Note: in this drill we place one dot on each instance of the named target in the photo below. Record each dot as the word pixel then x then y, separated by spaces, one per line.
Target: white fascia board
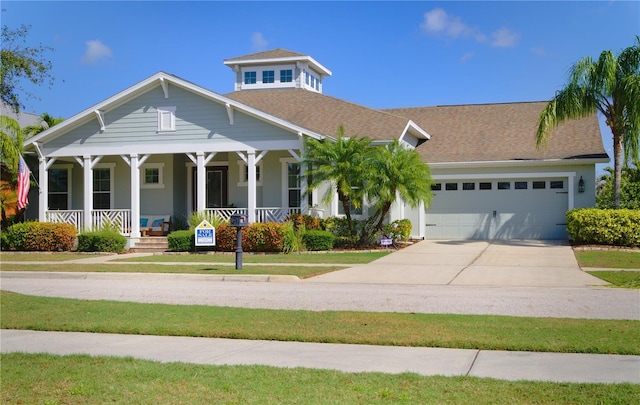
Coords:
pixel 289 59
pixel 416 131
pixel 171 148
pixel 517 163
pixel 89 113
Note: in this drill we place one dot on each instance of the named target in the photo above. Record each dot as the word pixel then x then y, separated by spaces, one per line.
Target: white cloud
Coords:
pixel 467 56
pixel 258 41
pixel 539 51
pixel 437 21
pixel 95 51
pixel 504 38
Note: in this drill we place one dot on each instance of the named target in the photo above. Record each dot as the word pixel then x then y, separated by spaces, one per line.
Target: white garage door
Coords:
pixel 498 209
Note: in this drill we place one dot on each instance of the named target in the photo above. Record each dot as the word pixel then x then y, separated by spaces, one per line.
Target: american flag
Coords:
pixel 23 183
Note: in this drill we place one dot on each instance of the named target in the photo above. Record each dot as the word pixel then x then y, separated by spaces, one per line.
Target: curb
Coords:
pixel 140 276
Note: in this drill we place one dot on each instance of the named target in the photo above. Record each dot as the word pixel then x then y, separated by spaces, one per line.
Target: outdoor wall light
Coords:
pixel 580 185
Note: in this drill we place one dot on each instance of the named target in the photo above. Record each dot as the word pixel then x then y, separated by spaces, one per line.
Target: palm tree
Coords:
pixel 395 170
pixel 343 164
pixel 12 140
pixel 46 122
pixel 610 85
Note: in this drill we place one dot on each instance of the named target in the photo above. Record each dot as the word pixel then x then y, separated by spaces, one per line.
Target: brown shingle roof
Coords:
pixel 323 114
pixel 272 54
pixel 498 132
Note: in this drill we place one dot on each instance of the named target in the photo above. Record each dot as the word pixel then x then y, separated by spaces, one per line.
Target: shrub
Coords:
pixel 226 237
pixel 195 218
pixel 307 221
pixel 604 226
pixel 316 239
pixel 40 236
pixel 101 241
pixel 292 237
pixel 398 230
pixel 263 237
pixel 182 241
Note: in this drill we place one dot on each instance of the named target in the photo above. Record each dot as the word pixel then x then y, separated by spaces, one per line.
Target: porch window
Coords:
pixel 243 171
pixel 352 208
pixel 293 185
pixel 152 175
pixel 103 186
pixel 59 195
pixel 166 119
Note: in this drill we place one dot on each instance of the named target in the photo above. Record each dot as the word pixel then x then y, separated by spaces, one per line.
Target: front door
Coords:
pixel 216 193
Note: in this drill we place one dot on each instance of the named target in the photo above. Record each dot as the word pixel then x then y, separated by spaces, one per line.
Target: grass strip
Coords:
pixel 42 378
pixel 619 278
pixel 610 259
pixel 398 329
pixel 43 256
pixel 306 258
pixel 299 271
pixel 247 257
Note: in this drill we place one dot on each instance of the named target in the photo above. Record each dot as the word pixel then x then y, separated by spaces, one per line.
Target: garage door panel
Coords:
pixel 498 214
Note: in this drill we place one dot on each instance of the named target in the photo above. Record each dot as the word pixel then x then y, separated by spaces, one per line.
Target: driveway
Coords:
pixel 526 263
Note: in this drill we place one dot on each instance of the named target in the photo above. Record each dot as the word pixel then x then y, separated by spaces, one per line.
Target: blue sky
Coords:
pixel 382 54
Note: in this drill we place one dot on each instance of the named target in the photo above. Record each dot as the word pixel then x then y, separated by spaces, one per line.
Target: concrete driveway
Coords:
pixel 526 263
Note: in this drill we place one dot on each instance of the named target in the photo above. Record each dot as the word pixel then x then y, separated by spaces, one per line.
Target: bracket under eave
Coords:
pixel 100 115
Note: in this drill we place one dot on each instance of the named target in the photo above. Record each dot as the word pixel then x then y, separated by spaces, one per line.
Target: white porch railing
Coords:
pixel 120 219
pixel 274 214
pixel 73 217
pixel 224 213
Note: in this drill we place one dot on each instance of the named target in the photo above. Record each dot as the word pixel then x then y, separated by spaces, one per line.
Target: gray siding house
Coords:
pixel 167 147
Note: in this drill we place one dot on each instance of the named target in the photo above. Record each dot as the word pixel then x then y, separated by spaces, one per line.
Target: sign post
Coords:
pixel 205 234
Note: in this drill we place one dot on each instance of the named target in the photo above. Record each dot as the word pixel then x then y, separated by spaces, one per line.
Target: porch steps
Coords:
pixel 151 244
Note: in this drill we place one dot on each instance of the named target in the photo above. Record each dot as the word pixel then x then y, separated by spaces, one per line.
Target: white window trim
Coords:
pixel 259 71
pixel 172 112
pixel 112 189
pixel 242 166
pixel 68 168
pixel 160 183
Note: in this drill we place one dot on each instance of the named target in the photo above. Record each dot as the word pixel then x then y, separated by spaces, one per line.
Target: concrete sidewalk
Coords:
pixel 553 367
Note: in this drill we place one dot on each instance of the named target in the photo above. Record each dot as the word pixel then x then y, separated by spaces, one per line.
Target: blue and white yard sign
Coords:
pixel 205 234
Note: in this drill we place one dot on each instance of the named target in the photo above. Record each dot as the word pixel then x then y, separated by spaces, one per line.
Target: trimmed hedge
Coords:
pixel 182 241
pixel 604 226
pixel 101 241
pixel 316 239
pixel 40 236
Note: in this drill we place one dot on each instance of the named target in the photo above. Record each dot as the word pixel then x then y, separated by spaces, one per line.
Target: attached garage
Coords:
pixel 498 208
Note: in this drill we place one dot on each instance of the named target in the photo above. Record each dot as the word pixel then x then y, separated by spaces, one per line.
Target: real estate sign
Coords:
pixel 205 234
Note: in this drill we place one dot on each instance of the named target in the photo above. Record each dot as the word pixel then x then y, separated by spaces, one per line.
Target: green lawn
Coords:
pixel 306 258
pixel 610 259
pixel 393 329
pixel 42 256
pixel 298 271
pixel 619 278
pixel 48 379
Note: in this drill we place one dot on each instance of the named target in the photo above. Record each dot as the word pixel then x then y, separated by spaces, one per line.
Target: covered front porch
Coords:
pixel 92 192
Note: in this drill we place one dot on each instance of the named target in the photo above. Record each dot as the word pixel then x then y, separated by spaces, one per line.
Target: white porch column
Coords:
pixel 201 202
pixel 251 185
pixel 422 223
pixel 134 166
pixel 43 192
pixel 88 191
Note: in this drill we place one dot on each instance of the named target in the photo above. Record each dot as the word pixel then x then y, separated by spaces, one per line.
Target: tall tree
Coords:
pixel 611 86
pixel 342 163
pixel 46 122
pixel 18 62
pixel 12 143
pixel 395 171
